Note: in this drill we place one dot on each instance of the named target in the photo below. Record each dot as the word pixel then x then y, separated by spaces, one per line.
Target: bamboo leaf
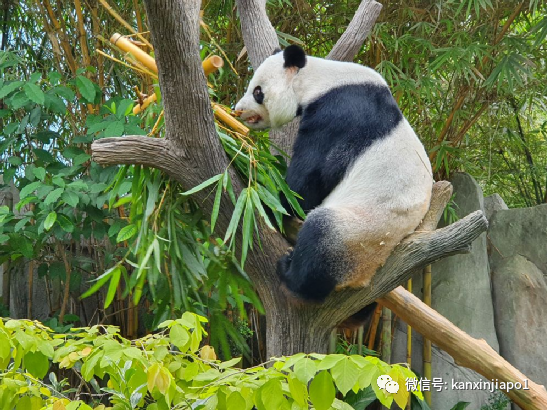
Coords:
pixel 114 281
pixel 204 184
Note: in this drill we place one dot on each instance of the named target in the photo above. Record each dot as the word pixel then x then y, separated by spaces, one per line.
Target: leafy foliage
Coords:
pixel 169 370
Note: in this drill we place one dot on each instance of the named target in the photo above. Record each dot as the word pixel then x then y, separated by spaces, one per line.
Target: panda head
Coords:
pixel 270 100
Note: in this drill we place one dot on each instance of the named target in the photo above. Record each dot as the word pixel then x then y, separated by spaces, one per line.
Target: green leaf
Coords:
pixel 271 395
pixel 71 198
pixel 9 88
pixel 36 364
pixel 216 206
pixel 305 369
pixel 248 224
pixel 114 129
pixel 204 184
pixel 50 220
pixel 345 374
pixel 322 391
pixel 180 337
pixel 99 282
pixel 236 401
pixel 34 93
pixel 28 189
pixel 126 233
pixel 39 172
pixel 53 196
pixel 114 281
pixel 86 88
pixel 65 223
pixel 298 390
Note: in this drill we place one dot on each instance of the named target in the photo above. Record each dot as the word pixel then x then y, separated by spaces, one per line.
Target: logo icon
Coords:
pixel 386 382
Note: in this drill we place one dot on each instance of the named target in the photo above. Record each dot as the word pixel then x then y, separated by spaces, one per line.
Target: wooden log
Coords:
pixel 467 351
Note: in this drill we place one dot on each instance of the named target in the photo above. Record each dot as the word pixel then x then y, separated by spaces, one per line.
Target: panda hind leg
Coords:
pixel 310 272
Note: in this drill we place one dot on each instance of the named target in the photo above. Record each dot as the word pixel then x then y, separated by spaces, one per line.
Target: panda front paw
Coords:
pixel 284 264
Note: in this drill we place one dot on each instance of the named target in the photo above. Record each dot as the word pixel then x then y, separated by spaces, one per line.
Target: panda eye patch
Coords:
pixel 258 95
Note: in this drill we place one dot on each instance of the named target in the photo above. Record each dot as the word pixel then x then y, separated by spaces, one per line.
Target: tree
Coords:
pixel 191 153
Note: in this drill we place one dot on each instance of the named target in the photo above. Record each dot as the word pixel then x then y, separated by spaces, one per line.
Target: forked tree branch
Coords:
pixel 349 43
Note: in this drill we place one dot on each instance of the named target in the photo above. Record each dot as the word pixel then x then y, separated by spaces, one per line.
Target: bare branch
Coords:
pixel 258 33
pixel 350 42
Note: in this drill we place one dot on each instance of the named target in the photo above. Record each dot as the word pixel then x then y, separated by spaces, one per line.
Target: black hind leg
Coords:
pixel 312 270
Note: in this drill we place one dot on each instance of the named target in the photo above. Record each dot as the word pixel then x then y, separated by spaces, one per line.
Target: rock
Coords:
pixel 520 302
pixel 520 231
pixel 492 204
pixel 461 283
pixel 461 291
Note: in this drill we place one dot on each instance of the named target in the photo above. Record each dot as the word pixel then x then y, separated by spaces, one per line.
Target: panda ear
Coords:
pixel 294 57
pixel 277 50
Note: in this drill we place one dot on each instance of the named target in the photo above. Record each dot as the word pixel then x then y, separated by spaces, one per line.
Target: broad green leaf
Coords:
pixel 28 189
pixel 86 88
pixel 180 337
pixel 7 89
pixel 65 223
pixel 345 374
pixel 39 172
pixel 53 196
pixel 36 364
pixel 236 401
pixel 305 369
pixel 114 129
pixel 322 391
pixel 50 220
pixel 34 93
pixel 71 198
pixel 127 233
pixel 298 391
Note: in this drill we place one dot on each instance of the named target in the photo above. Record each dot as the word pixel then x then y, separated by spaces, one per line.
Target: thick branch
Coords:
pixel 137 150
pixel 350 42
pixel 466 351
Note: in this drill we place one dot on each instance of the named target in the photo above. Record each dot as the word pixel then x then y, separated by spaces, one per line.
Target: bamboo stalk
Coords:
pixel 409 342
pixel 230 121
pixel 83 37
pixel 427 342
pixel 210 65
pixel 374 326
pixel 467 351
pixel 124 23
pixel 64 44
pixel 386 335
pixel 126 45
pixel 66 293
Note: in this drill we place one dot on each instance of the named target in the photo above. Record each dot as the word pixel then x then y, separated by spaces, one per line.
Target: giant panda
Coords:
pixel 362 172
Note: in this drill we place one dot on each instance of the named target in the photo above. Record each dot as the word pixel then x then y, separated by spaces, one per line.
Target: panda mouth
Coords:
pixel 251 119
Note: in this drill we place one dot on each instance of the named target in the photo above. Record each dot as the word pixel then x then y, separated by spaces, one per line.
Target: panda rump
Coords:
pixel 362 172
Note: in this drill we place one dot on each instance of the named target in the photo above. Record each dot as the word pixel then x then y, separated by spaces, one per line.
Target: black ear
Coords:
pixel 294 57
pixel 277 50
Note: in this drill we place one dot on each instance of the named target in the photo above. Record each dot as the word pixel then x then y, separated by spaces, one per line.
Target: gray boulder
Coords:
pixel 520 300
pixel 492 204
pixel 519 231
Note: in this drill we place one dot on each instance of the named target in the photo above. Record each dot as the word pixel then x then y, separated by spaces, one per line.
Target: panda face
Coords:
pixel 270 100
